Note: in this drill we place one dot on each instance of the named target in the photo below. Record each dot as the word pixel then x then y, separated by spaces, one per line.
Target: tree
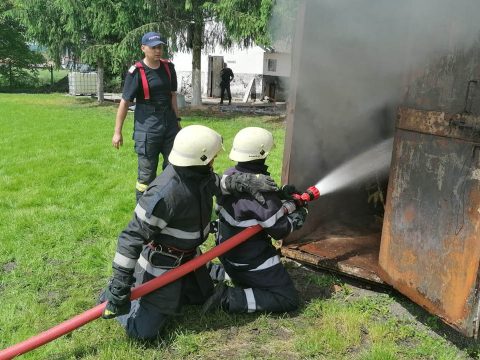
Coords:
pixel 184 23
pixel 109 22
pixel 88 28
pixel 243 20
pixel 16 59
pixel 107 31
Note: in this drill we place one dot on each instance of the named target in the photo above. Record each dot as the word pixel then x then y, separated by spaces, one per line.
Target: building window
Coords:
pixel 272 65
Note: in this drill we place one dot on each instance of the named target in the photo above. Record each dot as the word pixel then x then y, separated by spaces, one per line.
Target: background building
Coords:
pixel 263 72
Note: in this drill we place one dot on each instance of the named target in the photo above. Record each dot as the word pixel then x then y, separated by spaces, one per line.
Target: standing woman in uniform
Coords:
pixel 153 83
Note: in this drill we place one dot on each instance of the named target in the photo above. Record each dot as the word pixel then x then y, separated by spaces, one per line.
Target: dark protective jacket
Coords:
pixel 174 212
pixel 150 114
pixel 238 213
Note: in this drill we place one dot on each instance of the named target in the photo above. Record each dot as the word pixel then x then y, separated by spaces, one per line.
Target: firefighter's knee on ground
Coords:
pixel 142 332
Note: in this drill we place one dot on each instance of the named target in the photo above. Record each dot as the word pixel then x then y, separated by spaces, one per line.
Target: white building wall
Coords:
pixel 242 61
pixel 283 64
pixel 245 64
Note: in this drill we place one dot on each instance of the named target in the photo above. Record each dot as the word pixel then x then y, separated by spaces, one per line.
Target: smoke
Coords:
pixel 354 66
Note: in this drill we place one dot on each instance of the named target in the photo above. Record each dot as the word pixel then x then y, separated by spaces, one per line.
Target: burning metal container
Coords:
pixel 425 239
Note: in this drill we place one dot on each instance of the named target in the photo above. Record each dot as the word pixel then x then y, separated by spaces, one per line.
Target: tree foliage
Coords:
pixel 245 21
pixel 77 25
pixel 107 32
pixel 16 59
pixel 111 29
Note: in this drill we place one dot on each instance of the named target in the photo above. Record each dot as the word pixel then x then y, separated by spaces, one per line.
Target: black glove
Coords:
pixel 253 184
pixel 298 217
pixel 286 192
pixel 117 294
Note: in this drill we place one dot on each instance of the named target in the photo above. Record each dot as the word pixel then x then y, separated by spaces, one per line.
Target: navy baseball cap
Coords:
pixel 153 39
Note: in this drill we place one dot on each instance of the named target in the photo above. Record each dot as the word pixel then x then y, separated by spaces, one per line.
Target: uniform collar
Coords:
pixel 194 172
pixel 255 166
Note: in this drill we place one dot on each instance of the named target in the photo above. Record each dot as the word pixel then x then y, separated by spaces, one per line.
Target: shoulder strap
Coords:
pixel 165 63
pixel 146 90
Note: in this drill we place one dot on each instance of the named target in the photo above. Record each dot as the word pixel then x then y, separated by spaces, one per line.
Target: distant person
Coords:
pixel 227 76
pixel 260 280
pixel 169 222
pixel 153 83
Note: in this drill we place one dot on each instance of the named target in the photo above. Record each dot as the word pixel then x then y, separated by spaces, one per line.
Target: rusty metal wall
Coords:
pixel 443 84
pixel 430 247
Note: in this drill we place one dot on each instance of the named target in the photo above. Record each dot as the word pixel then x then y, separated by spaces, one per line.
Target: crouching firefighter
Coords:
pixel 170 221
pixel 261 281
pixel 153 83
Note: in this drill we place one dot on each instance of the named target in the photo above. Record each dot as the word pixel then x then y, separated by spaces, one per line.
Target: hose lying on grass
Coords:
pixel 139 291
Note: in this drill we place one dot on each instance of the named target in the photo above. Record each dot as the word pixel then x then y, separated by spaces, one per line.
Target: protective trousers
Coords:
pixel 269 290
pixel 153 136
pixel 149 314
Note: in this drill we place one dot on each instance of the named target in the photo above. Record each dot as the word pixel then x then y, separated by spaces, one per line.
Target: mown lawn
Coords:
pixel 43 79
pixel 65 194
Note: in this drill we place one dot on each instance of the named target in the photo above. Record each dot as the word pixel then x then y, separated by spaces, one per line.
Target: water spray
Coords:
pixel 373 162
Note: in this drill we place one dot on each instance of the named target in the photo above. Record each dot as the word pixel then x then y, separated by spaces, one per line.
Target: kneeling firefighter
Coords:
pixel 170 221
pixel 261 281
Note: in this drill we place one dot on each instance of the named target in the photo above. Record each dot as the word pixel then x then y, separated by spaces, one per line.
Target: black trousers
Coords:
pixel 269 290
pixel 150 313
pixel 149 146
pixel 229 94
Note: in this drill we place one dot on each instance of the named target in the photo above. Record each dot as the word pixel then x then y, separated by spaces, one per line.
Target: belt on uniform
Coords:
pixel 179 255
pixel 157 106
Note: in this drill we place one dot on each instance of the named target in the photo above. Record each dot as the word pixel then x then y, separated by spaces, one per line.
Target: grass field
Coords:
pixel 65 194
pixel 44 76
pixel 43 79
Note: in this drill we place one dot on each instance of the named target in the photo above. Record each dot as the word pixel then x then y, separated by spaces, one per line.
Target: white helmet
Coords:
pixel 195 145
pixel 251 143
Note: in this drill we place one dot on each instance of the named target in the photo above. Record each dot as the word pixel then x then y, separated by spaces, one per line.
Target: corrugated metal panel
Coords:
pixel 430 247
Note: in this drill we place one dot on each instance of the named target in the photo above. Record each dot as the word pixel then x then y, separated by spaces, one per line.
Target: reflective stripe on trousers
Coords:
pixel 272 261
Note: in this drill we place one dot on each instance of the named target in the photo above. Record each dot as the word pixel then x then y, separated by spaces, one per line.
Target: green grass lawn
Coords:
pixel 44 76
pixel 43 79
pixel 66 193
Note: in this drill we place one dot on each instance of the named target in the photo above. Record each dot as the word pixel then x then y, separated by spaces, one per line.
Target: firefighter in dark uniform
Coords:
pixel 226 75
pixel 261 282
pixel 153 83
pixel 170 221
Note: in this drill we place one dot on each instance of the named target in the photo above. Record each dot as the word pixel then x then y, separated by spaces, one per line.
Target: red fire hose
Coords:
pixel 34 342
pixel 94 313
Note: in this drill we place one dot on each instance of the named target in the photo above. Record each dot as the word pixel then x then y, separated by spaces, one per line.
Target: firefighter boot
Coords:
pixel 217 299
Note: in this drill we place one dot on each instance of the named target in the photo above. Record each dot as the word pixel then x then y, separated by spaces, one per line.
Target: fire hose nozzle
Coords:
pixel 312 193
